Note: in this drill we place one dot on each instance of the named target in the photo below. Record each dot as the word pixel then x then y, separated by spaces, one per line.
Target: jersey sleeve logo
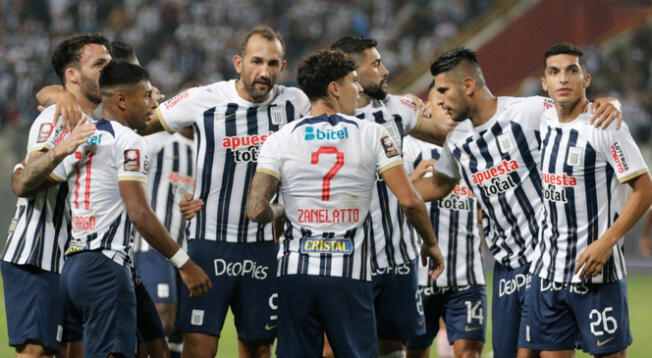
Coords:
pixel 132 160
pixel 176 100
pixel 388 146
pixel 44 132
pixel 548 103
pixel 409 104
pixel 618 157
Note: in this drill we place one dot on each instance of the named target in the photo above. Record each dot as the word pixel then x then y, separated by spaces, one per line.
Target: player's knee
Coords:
pixel 394 354
pixel 33 350
pixel 198 345
pixel 389 346
pixel 465 348
pixel 258 348
pixel 621 354
pixel 167 313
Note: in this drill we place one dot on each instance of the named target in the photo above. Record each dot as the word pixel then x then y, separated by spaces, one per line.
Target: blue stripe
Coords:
pixel 470 238
pixel 570 212
pixel 554 216
pixel 289 115
pixel 544 221
pixel 169 205
pixel 207 170
pixel 369 233
pixel 386 223
pixel 333 120
pixel 454 217
pixel 104 125
pixel 59 219
pixel 157 178
pixel 243 224
pixel 228 173
pixel 591 191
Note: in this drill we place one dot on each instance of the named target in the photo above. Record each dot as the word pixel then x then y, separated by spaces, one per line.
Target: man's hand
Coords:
pixel 189 208
pixel 424 167
pixel 68 109
pixel 605 111
pixel 436 259
pixel 591 260
pixel 77 137
pixel 195 278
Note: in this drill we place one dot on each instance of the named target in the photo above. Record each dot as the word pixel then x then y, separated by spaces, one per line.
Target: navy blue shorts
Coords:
pixel 511 287
pixel 34 305
pixel 397 302
pixel 99 305
pixel 244 278
pixel 464 310
pixel 149 322
pixel 560 315
pixel 158 275
pixel 310 306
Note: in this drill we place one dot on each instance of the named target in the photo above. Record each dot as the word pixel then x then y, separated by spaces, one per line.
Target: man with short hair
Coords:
pixel 109 161
pixel 32 258
pixel 231 120
pixel 578 284
pixel 393 246
pixel 495 149
pixel 325 166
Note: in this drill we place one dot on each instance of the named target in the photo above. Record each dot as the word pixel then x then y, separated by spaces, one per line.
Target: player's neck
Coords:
pixel 84 103
pixel 320 107
pixel 110 113
pixel 485 108
pixel 568 112
pixel 364 100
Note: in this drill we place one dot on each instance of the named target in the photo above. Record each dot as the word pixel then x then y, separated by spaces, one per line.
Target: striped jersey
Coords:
pixel 39 229
pixel 392 241
pixel 584 170
pixel 327 167
pixel 455 223
pixel 499 161
pixel 228 134
pixel 112 154
pixel 169 178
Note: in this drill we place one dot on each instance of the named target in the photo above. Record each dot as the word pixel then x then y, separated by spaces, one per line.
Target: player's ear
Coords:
pixel 544 84
pixel 468 84
pixel 333 89
pixel 120 100
pixel 587 79
pixel 237 63
pixel 71 75
pixel 284 64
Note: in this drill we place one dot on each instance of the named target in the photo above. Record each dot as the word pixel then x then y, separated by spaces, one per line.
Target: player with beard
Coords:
pixel 32 259
pixel 394 249
pixel 495 149
pixel 231 120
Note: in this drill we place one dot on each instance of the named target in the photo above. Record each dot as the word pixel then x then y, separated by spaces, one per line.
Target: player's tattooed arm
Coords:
pixel 591 260
pixel 67 106
pixel 435 187
pixel 259 207
pixel 35 176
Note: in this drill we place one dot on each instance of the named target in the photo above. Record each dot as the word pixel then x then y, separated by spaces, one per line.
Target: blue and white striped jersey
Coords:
pixel 39 229
pixel 392 241
pixel 228 134
pixel 112 154
pixel 327 166
pixel 499 161
pixel 584 171
pixel 455 223
pixel 169 178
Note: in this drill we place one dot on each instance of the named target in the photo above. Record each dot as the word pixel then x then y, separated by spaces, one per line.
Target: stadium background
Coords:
pixel 183 41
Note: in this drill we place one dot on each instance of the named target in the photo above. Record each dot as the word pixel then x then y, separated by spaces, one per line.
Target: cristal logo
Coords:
pixel 313 133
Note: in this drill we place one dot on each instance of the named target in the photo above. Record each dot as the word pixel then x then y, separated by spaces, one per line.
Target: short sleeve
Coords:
pixel 621 152
pixel 183 109
pixel 384 148
pixel 131 157
pixel 269 158
pixel 409 112
pixel 447 164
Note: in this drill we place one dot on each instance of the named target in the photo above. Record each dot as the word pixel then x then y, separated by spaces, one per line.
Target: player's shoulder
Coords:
pixel 290 93
pixel 400 102
pixel 120 132
pixel 47 116
pixel 461 132
pixel 532 104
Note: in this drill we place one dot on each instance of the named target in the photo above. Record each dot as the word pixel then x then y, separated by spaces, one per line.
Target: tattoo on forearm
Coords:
pixel 37 171
pixel 262 190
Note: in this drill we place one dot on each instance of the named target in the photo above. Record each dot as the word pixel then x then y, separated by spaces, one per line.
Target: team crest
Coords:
pixel 44 132
pixel 575 155
pixel 505 142
pixel 277 115
pixel 132 160
pixel 388 145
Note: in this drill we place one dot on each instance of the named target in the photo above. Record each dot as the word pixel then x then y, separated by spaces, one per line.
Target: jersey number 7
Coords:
pixel 326 180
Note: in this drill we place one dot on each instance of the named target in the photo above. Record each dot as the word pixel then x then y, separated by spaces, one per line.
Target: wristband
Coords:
pixel 18 166
pixel 179 259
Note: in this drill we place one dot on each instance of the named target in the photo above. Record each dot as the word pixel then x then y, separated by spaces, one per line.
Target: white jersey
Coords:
pixel 228 133
pixel 327 166
pixel 169 177
pixel 454 221
pixel 39 229
pixel 583 170
pixel 499 161
pixel 392 241
pixel 99 219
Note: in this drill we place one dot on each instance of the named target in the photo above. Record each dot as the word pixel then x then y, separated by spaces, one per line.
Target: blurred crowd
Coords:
pixel 183 40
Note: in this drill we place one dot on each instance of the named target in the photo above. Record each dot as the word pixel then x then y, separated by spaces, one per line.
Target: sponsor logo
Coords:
pixel 462 191
pixel 313 133
pixel 169 104
pixel 163 290
pixel 505 142
pixel 602 343
pixel 389 147
pixel 559 179
pixel 509 286
pixel 494 172
pixel 553 193
pixel 235 142
pixel 497 186
pixel 59 333
pixel 197 317
pixel 240 269
pixel 578 289
pixel 12 226
pixel 409 104
pixel 471 329
pixel 619 158
pixel 277 115
pixel 326 246
pixel 402 270
pixel 575 155
pixel 60 135
pixel 270 327
pixel 96 139
pixel 83 223
pixel 327 216
pixel 454 202
pixel 132 160
pixel 176 179
pixel 44 132
pixel 548 103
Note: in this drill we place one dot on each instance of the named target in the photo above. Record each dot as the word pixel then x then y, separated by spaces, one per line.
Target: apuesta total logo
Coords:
pixel 313 133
